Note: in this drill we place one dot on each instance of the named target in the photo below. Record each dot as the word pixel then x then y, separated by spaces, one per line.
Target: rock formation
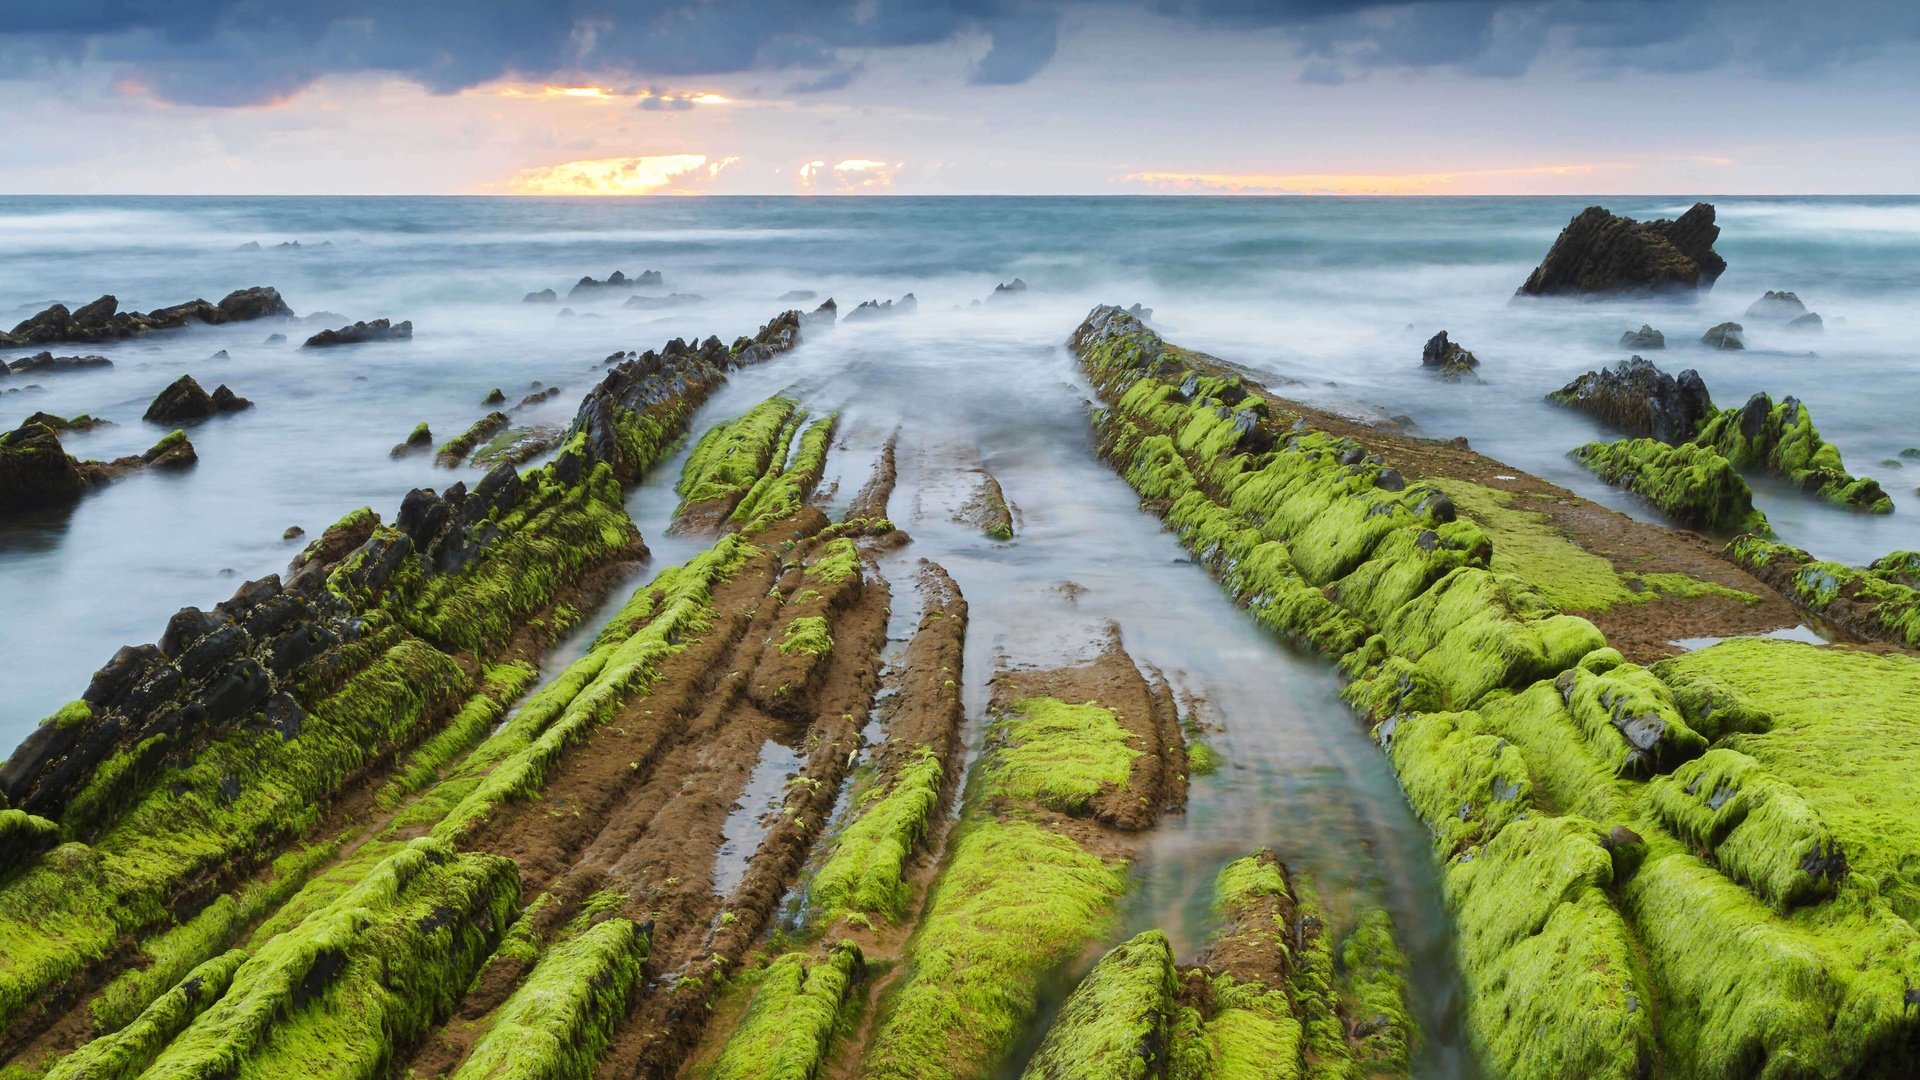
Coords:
pixel 544 296
pixel 45 363
pixel 588 287
pixel 102 320
pixel 1644 338
pixel 874 309
pixel 1446 357
pixel 1727 335
pixel 184 402
pixel 36 472
pixel 377 330
pixel 1778 306
pixel 1640 399
pixel 1600 252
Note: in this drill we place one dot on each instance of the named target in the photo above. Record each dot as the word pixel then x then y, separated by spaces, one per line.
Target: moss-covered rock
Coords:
pixel 1691 483
pixel 558 1023
pixel 1782 440
pixel 1115 1023
pixel 789 1025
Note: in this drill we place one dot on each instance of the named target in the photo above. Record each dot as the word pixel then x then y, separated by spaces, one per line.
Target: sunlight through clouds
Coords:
pixel 648 175
pixel 848 175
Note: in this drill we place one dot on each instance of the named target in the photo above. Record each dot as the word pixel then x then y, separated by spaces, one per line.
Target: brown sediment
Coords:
pixel 987 508
pixel 874 495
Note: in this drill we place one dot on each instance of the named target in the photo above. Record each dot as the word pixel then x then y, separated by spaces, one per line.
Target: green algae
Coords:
pixel 127 1052
pixel 23 836
pixel 865 873
pixel 807 634
pixel 1251 1035
pixel 733 455
pixel 455 450
pixel 789 1025
pixel 358 980
pixel 1880 601
pixel 560 1020
pixel 1548 961
pixel 780 493
pixel 1761 832
pixel 1115 1023
pixel 1058 755
pixel 502 684
pixel 1527 546
pixel 1782 440
pixel 1629 718
pixel 1691 483
pixel 1464 782
pixel 1373 981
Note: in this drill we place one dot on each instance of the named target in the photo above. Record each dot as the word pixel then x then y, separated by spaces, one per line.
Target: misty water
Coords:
pixel 1338 294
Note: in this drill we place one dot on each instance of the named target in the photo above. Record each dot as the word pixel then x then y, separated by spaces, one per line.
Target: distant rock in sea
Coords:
pixel 102 320
pixel 588 287
pixel 1447 357
pixel 45 363
pixel 1725 336
pixel 1641 400
pixel 1644 338
pixel 544 296
pixel 654 303
pixel 377 330
pixel 184 402
pixel 873 309
pixel 1602 252
pixel 1783 306
pixel 797 295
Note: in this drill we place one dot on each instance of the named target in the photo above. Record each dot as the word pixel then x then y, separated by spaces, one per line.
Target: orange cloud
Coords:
pixel 1461 182
pixel 647 175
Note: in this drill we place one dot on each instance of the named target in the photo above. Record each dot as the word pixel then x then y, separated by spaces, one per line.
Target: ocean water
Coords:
pixel 1337 294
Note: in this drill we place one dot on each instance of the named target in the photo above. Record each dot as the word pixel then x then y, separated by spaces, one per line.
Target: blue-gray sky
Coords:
pixel 966 96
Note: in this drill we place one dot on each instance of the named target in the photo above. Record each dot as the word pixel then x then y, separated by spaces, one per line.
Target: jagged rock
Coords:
pixel 1602 252
pixel 171 452
pixel 35 471
pixel 377 330
pixel 1644 338
pixel 1008 290
pixel 1447 357
pixel 1724 336
pixel 539 396
pixel 827 313
pixel 796 295
pixel 588 287
pixel 494 396
pixel 1642 400
pixel 226 400
pixel 670 301
pixel 873 309
pixel 221 355
pixel 183 401
pixel 45 363
pixel 1810 322
pixel 1777 305
pixel 101 320
pixel 83 422
pixel 544 296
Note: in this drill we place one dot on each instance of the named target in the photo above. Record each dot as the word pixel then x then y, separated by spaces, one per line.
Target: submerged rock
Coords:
pixel 827 313
pixel 589 287
pixel 1808 322
pixel 1777 305
pixel 873 309
pixel 1446 357
pixel 495 396
pixel 275 339
pixel 1601 252
pixel 1725 336
pixel 1010 290
pixel 544 296
pixel 1640 399
pixel 796 295
pixel 1644 338
pixel 377 330
pixel 45 363
pixel 671 301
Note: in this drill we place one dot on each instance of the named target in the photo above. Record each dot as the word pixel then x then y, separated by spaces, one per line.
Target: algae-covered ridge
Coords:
pixel 1691 868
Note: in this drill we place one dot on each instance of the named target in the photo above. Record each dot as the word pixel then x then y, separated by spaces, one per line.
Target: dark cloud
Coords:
pixel 236 52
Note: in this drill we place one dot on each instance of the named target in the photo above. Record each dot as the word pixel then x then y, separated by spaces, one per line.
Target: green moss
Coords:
pixel 457 448
pixel 1879 602
pixel 22 837
pixel 1761 832
pixel 1251 1035
pixel 559 1022
pixel 1465 783
pixel 504 683
pixel 169 441
pixel 1629 719
pixel 1014 903
pixel 1058 755
pixel 807 634
pixel 1115 1023
pixel 1782 440
pixel 838 561
pixel 865 873
pixel 1691 483
pixel 1202 758
pixel 367 974
pixel 731 456
pixel 780 493
pixel 789 1025
pixel 1548 962
pixel 1373 979
pixel 1528 546
pixel 127 1052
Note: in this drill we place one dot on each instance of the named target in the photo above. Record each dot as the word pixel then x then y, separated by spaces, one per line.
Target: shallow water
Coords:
pixel 1339 294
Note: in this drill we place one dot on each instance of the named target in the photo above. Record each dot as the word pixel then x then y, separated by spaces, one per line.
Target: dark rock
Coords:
pixel 1447 357
pixel 1602 252
pixel 83 422
pixel 494 397
pixel 259 302
pixel 1644 338
pixel 1808 322
pixel 35 471
pixel 294 532
pixel 1641 400
pixel 226 400
pixel 44 363
pixel 827 312
pixel 1780 306
pixel 182 402
pixel 377 330
pixel 544 296
pixel 588 287
pixel 171 452
pixel 1724 336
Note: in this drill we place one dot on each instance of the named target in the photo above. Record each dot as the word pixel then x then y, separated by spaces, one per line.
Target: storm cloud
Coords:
pixel 247 52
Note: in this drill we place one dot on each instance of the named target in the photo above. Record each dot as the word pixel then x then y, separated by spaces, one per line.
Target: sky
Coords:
pixel 630 97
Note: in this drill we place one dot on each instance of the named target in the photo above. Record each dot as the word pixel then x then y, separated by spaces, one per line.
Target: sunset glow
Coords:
pixel 644 175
